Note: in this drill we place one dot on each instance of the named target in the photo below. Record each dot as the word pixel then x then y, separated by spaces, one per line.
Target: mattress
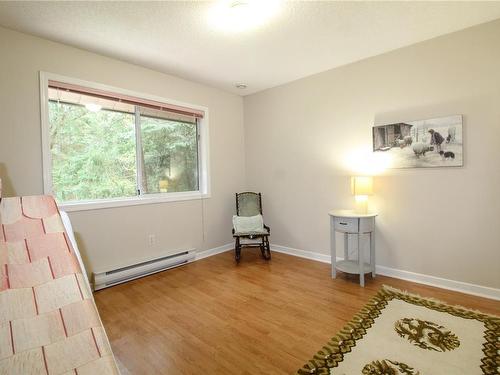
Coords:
pixel 49 323
pixel 71 237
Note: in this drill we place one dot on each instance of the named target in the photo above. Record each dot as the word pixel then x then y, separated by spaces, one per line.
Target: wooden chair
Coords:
pixel 250 204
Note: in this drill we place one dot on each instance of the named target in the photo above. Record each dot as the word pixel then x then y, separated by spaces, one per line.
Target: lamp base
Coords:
pixel 361 204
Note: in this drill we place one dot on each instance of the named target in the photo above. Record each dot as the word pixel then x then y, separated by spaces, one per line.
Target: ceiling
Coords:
pixel 298 40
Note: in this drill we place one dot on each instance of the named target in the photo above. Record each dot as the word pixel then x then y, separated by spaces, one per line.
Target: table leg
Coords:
pixel 332 247
pixel 372 252
pixel 360 260
pixel 346 246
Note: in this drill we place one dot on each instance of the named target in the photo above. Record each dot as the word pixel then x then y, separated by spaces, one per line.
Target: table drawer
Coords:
pixel 346 224
pixel 366 224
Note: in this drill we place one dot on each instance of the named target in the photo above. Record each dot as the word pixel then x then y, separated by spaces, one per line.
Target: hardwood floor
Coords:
pixel 215 317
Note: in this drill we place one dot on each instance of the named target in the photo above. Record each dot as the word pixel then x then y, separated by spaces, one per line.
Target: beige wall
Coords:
pixel 443 222
pixel 111 237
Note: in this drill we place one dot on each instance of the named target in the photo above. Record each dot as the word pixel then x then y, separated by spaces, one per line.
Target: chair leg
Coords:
pixel 237 250
pixel 263 248
pixel 267 249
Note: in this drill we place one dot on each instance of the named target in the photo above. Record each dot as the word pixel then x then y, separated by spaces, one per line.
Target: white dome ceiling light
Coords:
pixel 241 15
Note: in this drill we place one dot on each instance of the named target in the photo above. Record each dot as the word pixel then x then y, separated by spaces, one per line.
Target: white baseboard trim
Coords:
pixel 323 258
pixel 214 251
pixel 458 286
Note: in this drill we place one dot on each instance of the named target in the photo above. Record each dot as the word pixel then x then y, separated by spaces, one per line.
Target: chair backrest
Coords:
pixel 248 204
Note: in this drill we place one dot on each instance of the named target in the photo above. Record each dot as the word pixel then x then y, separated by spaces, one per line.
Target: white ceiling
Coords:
pixel 302 38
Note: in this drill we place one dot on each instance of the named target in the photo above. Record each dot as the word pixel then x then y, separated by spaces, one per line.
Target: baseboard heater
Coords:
pixel 121 275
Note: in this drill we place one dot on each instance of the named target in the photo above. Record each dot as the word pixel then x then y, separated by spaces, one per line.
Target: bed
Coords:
pixel 49 323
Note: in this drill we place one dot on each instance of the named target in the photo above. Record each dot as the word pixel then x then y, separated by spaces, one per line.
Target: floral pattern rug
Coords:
pixel 401 333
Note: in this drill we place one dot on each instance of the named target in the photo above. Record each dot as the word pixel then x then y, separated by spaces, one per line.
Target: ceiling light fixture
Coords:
pixel 241 86
pixel 241 15
pixel 92 107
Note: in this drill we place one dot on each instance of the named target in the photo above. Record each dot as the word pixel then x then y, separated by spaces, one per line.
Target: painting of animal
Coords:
pixel 421 148
pixel 447 154
pixel 435 142
pixel 401 143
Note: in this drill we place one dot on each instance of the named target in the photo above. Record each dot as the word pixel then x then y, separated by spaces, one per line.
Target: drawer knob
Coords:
pixel 342 223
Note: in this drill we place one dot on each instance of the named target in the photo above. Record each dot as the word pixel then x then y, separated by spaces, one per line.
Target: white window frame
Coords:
pixel 203 150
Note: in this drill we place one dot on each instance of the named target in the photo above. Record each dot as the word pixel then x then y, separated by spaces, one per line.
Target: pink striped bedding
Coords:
pixel 48 320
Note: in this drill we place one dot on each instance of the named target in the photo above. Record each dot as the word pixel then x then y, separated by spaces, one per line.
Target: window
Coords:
pixel 169 154
pixel 107 147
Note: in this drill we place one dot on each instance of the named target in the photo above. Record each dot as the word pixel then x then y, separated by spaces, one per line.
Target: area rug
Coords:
pixel 401 333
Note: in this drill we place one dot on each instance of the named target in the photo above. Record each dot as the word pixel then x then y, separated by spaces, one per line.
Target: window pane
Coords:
pixel 93 152
pixel 170 155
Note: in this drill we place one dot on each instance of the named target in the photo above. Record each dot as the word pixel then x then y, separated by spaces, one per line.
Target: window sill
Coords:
pixel 132 201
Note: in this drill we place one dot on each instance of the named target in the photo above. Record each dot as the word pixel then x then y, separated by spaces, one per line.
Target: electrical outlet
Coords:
pixel 152 240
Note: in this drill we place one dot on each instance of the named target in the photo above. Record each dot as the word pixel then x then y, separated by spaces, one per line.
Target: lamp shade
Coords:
pixel 362 185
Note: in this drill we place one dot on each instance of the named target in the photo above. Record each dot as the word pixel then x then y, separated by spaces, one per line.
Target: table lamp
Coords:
pixel 361 188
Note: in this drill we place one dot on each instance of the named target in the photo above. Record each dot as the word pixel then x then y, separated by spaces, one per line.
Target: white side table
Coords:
pixel 352 223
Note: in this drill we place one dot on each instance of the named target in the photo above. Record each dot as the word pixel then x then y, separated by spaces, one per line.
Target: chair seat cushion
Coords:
pixel 248 224
pixel 252 233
